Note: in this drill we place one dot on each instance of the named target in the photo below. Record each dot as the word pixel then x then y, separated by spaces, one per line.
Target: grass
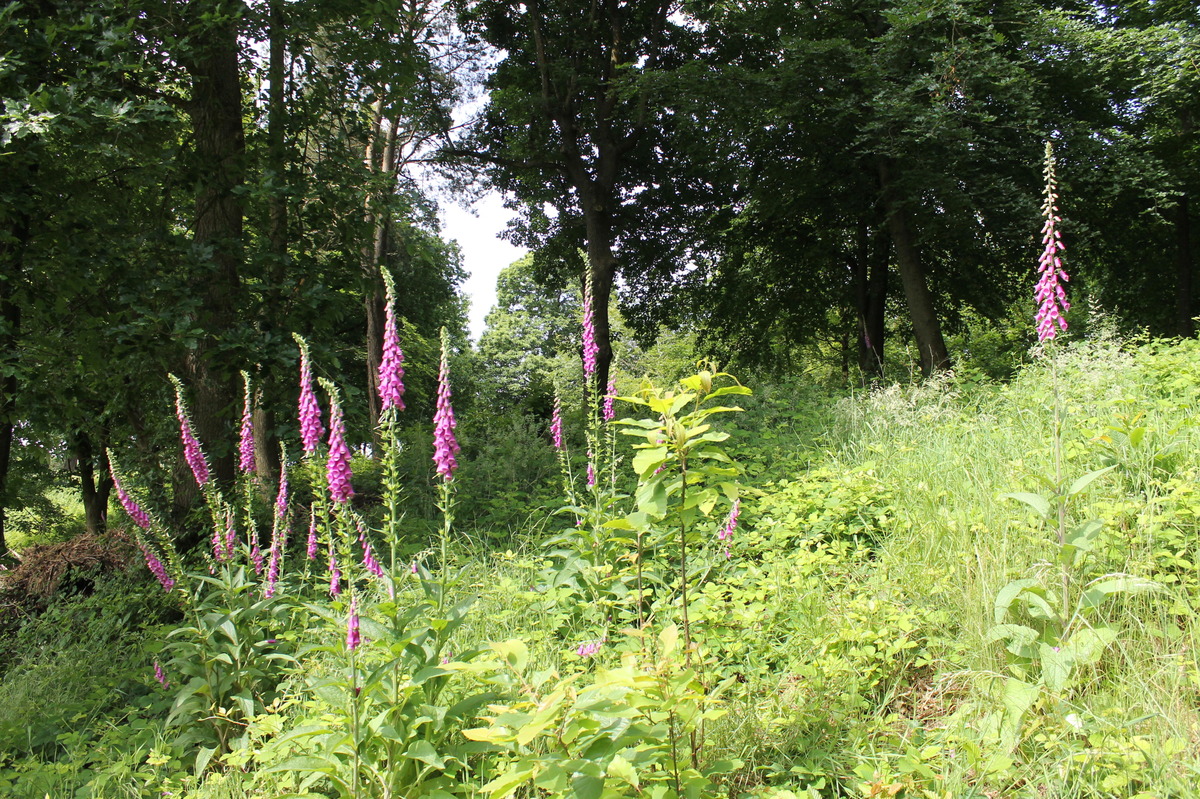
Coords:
pixel 850 626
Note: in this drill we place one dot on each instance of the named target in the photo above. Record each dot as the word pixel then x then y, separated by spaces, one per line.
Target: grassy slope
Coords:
pixel 852 615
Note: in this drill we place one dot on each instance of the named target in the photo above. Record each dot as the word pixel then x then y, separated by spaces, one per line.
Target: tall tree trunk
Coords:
pixel 927 330
pixel 1184 267
pixel 94 493
pixel 380 161
pixel 216 114
pixel 602 272
pixel 870 284
pixel 12 260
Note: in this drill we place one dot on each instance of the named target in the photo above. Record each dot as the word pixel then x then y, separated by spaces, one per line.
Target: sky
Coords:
pixel 477 232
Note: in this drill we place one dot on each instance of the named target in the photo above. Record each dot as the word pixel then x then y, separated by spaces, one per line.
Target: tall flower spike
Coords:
pixel 445 446
pixel 191 446
pixel 311 551
pixel 590 348
pixel 556 423
pixel 139 516
pixel 337 468
pixel 1051 298
pixel 311 429
pixel 246 436
pixel 610 396
pixel 391 365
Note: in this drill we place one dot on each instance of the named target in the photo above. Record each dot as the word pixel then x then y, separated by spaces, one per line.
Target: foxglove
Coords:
pixel 590 349
pixel 391 365
pixel 191 446
pixel 337 468
pixel 246 436
pixel 556 424
pixel 311 429
pixel 1050 296
pixel 353 639
pixel 445 446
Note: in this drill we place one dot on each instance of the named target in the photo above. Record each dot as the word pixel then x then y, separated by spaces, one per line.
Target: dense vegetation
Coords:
pixel 271 525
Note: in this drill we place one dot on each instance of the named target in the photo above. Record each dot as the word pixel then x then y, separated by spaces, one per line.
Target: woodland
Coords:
pixel 772 474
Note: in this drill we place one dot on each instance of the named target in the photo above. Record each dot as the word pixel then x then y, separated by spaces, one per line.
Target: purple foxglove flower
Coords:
pixel 160 675
pixel 591 473
pixel 556 424
pixel 589 648
pixel 246 436
pixel 156 568
pixel 281 496
pixel 610 395
pixel 445 446
pixel 1050 296
pixel 726 532
pixel 139 516
pixel 590 348
pixel 311 429
pixel 256 558
pixel 191 446
pixel 335 574
pixel 312 536
pixel 337 468
pixel 353 639
pixel 391 366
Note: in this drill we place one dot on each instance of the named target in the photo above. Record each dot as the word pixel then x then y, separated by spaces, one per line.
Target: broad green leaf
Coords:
pixel 424 751
pixel 1086 480
pixel 1040 504
pixel 1018 637
pixel 1007 595
pixel 1057 665
pixel 647 460
pixel 621 769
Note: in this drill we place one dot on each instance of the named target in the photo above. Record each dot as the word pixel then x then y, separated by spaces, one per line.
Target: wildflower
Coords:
pixel 156 567
pixel 591 472
pixel 556 424
pixel 353 639
pixel 246 437
pixel 139 516
pixel 1051 298
pixel 191 446
pixel 731 523
pixel 589 648
pixel 335 574
pixel 311 429
pixel 391 365
pixel 590 348
pixel 337 468
pixel 445 447
pixel 610 396
pixel 160 675
pixel 256 558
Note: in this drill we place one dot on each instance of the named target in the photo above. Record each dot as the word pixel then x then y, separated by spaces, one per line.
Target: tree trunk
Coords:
pixel 602 272
pixel 927 330
pixel 216 114
pixel 380 161
pixel 94 493
pixel 870 285
pixel 12 259
pixel 1185 306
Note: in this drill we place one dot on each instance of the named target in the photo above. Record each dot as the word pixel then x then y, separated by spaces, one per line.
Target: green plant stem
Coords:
pixel 354 697
pixel 683 581
pixel 1061 500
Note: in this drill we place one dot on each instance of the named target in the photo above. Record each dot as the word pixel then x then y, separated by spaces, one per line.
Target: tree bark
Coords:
pixel 93 492
pixel 870 284
pixel 927 329
pixel 12 259
pixel 1184 267
pixel 215 109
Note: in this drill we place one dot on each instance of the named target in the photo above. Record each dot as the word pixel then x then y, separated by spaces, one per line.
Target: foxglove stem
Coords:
pixel 391 365
pixel 311 429
pixel 610 396
pixel 139 516
pixel 353 638
pixel 246 435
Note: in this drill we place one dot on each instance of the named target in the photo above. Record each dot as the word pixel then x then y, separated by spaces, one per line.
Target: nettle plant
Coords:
pixel 1051 624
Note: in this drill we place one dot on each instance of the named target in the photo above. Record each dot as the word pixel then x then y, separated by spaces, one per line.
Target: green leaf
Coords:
pixel 1007 595
pixel 1040 504
pixel 424 752
pixel 647 460
pixel 203 756
pixel 1018 637
pixel 1086 480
